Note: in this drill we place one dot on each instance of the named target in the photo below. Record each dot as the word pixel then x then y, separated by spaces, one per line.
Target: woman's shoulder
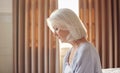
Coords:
pixel 84 47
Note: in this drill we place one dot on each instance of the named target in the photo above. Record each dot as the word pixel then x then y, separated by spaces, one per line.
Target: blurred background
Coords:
pixel 28 46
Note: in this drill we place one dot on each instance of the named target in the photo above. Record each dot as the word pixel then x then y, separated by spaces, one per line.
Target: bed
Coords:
pixel 111 70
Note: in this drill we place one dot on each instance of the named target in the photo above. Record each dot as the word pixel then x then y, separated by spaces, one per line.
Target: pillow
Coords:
pixel 111 70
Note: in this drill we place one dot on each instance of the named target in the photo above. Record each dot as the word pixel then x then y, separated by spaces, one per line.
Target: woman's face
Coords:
pixel 61 34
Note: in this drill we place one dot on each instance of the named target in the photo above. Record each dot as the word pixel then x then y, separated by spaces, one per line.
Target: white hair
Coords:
pixel 66 19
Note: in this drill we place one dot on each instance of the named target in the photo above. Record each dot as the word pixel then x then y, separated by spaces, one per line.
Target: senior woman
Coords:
pixel 82 57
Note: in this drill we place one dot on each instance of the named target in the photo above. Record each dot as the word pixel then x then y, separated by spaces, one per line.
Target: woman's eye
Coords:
pixel 56 29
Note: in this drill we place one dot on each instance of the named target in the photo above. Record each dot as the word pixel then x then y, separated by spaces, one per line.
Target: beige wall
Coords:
pixel 6 48
pixel 6 6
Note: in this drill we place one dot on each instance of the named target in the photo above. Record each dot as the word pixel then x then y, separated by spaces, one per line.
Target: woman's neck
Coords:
pixel 78 42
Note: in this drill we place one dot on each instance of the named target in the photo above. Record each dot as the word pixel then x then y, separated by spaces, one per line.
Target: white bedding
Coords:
pixel 111 70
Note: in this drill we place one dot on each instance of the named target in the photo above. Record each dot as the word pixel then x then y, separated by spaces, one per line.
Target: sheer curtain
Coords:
pixel 35 48
pixel 102 19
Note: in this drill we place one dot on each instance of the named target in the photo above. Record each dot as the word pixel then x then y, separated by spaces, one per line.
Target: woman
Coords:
pixel 82 57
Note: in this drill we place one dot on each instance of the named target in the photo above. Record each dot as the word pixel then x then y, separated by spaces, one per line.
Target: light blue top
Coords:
pixel 85 60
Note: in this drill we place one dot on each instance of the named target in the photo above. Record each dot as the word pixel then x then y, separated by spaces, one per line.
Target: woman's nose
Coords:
pixel 56 34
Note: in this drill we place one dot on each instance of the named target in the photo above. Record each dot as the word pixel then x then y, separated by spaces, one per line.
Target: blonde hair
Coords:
pixel 66 19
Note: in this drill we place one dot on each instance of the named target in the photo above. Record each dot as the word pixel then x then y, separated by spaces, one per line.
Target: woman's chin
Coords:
pixel 63 41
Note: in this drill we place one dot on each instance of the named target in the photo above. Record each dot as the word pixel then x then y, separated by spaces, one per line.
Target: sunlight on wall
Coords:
pixel 73 5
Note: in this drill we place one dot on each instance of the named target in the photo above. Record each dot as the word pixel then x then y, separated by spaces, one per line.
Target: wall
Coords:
pixel 6 48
